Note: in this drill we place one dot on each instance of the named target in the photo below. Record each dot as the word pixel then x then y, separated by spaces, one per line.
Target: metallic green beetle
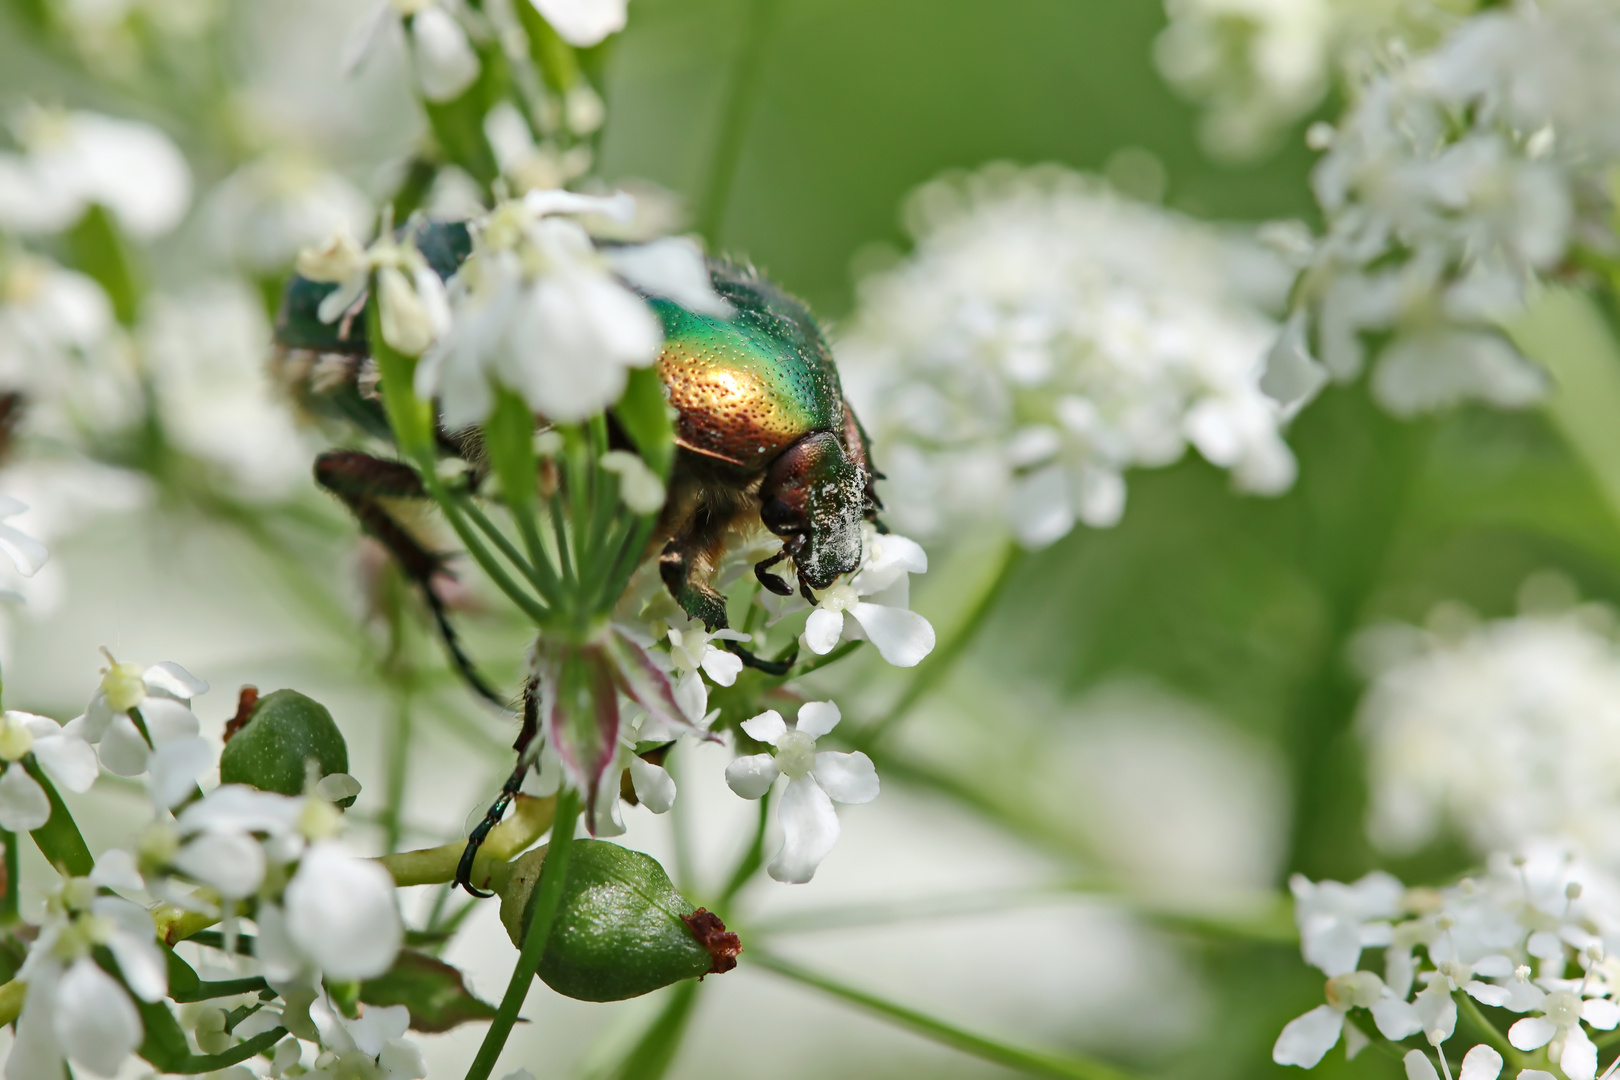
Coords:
pixel 763 434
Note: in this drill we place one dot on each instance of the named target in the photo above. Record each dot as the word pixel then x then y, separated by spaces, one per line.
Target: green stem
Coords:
pixel 542 913
pixel 741 96
pixel 751 860
pixel 481 555
pixel 942 661
pixel 508 549
pixel 208 991
pixel 399 760
pixel 59 838
pixel 823 661
pixel 1471 1010
pixel 1013 1057
pixel 9 889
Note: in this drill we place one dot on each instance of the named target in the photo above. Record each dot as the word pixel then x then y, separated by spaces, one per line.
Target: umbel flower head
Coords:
pixel 1502 731
pixel 1047 335
pixel 1532 936
pixel 1455 179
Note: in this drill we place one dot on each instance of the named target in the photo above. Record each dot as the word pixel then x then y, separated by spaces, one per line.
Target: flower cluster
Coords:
pixel 319 912
pixel 1258 66
pixel 1456 178
pixel 1504 731
pixel 1047 335
pixel 1532 937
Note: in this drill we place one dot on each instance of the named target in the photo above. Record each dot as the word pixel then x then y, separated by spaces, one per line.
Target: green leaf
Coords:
pixel 435 993
pixel 646 416
pixel 99 250
pixel 559 66
pixel 183 980
pixel 59 839
pixel 509 440
pixel 164 1044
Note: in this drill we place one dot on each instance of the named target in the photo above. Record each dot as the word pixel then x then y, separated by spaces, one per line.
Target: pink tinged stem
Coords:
pixel 581 708
pixel 642 682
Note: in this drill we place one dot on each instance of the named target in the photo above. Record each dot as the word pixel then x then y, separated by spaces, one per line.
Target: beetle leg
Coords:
pixel 361 482
pixel 528 747
pixel 775 582
pixel 769 667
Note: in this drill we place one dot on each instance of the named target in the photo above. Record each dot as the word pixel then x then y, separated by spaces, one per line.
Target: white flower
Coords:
pixel 1562 1013
pixel 526 164
pixel 654 788
pixel 74 1011
pixel 1506 730
pixel 583 23
pixel 373 1045
pixel 49 319
pixel 1480 1063
pixel 79 159
pixel 340 913
pixel 539 310
pixel 1045 336
pixel 902 637
pixel 639 487
pixel 815 780
pixel 411 303
pixel 1458 175
pixel 267 211
pixel 164 743
pixel 68 759
pixel 1336 921
pixel 1308 1038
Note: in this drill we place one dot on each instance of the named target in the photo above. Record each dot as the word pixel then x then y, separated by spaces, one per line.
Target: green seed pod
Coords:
pixel 284 730
pixel 621 930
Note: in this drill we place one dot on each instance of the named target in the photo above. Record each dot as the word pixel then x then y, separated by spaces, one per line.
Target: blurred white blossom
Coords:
pixel 65 757
pixel 583 23
pixel 1503 731
pixel 74 160
pixel 1047 335
pixel 1455 178
pixel 1257 66
pixel 263 214
pixel 165 741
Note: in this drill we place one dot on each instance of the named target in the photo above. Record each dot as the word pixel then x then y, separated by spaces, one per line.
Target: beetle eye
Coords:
pixel 778 516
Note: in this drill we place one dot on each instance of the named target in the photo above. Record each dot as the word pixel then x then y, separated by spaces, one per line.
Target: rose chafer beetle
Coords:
pixel 764 436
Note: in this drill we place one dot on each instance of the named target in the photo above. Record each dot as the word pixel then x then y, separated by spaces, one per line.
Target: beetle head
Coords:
pixel 813 497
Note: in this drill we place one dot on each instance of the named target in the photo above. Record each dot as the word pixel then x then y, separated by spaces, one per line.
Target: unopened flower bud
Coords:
pixel 621 929
pixel 285 730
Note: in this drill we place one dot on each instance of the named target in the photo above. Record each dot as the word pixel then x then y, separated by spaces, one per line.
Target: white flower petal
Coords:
pixel 233 863
pixel 95 1022
pixel 25 553
pixel 1396 1019
pixel 1418 1066
pixel 24 806
pixel 340 912
pixel 167 720
pixel 35 1054
pixel 1579 1059
pixel 277 953
pixel 1039 507
pixel 817 718
pixel 69 759
pixel 767 727
pixel 752 776
pixel 445 62
pixel 123 751
pixel 1487 993
pixel 822 630
pixel 1601 1013
pixel 172 679
pixel 377 1027
pixel 722 666
pixel 402 1060
pixel 672 268
pixel 139 959
pixel 583 23
pixel 1531 1033
pixel 903 638
pixel 175 766
pixel 1306 1039
pixel 846 778
pixel 116 869
pixel 809 831
pixel 1481 1063
pixel 655 788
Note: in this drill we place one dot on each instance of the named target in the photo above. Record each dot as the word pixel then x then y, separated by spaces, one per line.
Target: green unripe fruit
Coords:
pixel 621 929
pixel 282 732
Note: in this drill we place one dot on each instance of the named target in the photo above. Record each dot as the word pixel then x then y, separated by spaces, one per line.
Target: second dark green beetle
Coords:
pixel 763 433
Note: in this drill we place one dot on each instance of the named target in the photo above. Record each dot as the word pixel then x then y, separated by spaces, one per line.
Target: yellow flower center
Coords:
pixel 122 687
pixel 15 739
pixel 796 754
